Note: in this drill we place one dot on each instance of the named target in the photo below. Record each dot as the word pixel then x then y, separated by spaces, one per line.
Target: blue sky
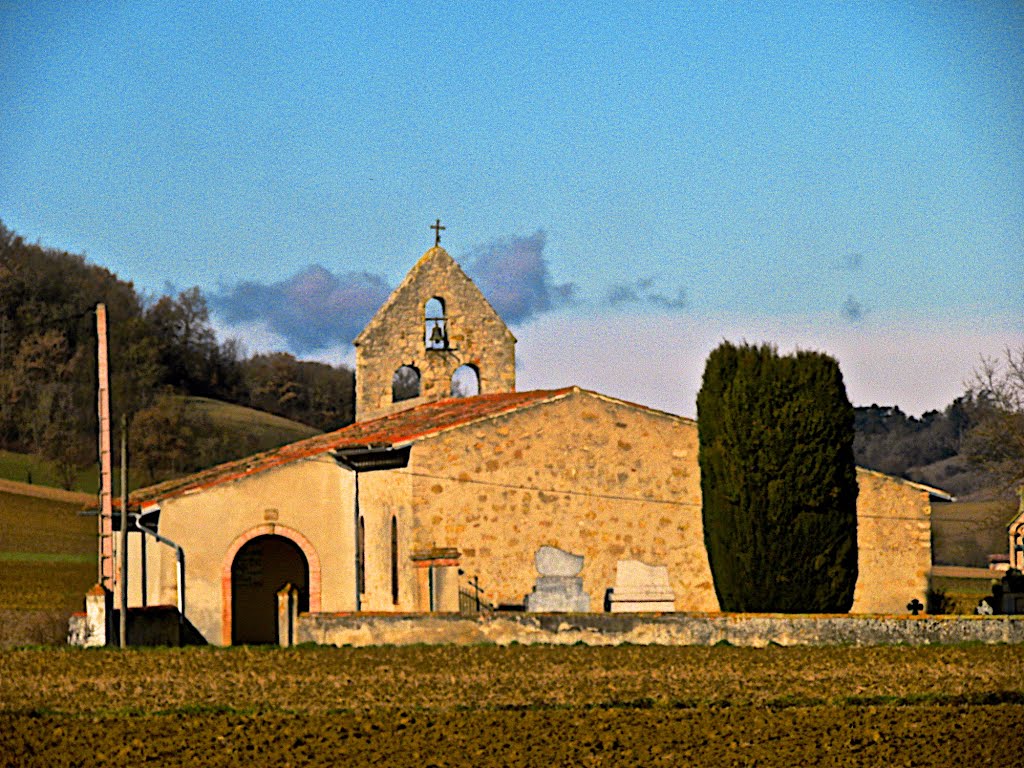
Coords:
pixel 630 183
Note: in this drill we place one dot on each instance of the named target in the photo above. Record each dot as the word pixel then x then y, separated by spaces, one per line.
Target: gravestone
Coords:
pixel 641 588
pixel 558 589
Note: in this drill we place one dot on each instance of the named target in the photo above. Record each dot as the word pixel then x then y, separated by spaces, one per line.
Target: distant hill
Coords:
pixel 229 432
pixel 158 346
pixel 258 429
pixel 183 434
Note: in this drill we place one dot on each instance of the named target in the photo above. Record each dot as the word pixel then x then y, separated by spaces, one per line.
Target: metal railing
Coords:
pixel 471 597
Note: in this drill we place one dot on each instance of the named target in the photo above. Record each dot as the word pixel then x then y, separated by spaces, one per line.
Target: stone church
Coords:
pixel 450 481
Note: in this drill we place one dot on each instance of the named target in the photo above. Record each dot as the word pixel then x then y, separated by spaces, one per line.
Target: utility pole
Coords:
pixel 106 518
pixel 123 543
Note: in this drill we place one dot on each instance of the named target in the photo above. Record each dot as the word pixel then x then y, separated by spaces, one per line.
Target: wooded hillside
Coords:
pixel 161 348
pixel 947 449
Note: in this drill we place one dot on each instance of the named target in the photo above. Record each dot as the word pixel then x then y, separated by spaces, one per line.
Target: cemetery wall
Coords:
pixel 753 630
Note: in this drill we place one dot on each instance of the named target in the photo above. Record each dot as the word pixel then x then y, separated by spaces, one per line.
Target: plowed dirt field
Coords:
pixel 518 706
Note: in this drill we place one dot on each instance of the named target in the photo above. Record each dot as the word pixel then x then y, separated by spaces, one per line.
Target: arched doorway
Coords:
pixel 260 568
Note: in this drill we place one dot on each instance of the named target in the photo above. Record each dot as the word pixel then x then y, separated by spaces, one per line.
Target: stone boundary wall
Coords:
pixel 754 630
pixel 98 625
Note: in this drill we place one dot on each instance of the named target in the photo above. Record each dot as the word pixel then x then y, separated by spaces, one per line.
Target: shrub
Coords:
pixel 778 480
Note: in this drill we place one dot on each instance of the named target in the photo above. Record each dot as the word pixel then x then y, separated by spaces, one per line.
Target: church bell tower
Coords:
pixel 435 337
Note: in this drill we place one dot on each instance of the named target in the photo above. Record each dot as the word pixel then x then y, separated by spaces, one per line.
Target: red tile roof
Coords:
pixel 396 429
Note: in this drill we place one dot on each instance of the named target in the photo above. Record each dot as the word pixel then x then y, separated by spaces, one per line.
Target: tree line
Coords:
pixel 161 349
pixel 975 445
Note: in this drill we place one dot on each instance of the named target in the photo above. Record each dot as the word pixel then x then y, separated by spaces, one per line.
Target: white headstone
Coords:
pixel 640 587
pixel 558 588
pixel 633 574
pixel 552 561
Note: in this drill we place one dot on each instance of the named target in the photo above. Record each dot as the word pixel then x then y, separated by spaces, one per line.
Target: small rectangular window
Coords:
pixel 394 560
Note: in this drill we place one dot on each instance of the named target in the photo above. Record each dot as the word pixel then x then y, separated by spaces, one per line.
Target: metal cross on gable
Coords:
pixel 436 226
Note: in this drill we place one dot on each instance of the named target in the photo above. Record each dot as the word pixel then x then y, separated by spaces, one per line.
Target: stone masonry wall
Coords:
pixel 893 542
pixel 608 481
pixel 584 473
pixel 396 337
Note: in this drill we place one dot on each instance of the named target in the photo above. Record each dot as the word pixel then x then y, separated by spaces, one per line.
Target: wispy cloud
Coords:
pixel 853 310
pixel 850 262
pixel 513 274
pixel 317 310
pixel 645 292
pixel 312 310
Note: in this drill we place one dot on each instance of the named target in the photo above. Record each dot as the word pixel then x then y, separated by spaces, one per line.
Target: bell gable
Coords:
pixel 435 337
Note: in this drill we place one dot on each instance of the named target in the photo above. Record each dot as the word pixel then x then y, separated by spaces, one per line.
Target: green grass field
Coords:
pixel 269 431
pixel 34 470
pixel 47 562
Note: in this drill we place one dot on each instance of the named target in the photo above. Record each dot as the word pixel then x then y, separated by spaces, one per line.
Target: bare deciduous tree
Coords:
pixel 996 441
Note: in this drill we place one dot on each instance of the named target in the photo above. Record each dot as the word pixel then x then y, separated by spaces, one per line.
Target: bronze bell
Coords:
pixel 437 337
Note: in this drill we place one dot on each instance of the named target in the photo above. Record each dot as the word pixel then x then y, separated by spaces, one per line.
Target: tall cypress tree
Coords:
pixel 778 480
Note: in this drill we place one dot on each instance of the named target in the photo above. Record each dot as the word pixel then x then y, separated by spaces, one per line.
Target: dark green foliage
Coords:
pixel 48 351
pixel 317 394
pixel 778 480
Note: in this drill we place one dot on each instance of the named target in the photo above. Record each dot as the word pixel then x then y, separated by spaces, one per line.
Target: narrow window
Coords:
pixel 435 334
pixel 361 557
pixel 405 384
pixel 394 560
pixel 466 381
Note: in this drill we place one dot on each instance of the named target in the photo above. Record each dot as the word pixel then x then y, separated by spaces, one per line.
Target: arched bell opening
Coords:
pixel 466 381
pixel 435 324
pixel 405 384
